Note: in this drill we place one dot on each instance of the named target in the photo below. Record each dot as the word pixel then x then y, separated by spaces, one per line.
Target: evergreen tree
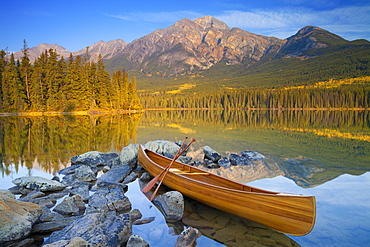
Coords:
pixel 25 72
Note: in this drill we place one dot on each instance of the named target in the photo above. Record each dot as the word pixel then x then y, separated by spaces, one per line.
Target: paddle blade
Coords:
pixel 150 185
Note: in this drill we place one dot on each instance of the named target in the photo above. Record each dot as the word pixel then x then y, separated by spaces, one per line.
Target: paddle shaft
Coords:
pixel 152 182
pixel 168 168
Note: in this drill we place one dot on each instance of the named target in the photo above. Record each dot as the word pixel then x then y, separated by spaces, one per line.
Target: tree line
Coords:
pixel 346 96
pixel 52 83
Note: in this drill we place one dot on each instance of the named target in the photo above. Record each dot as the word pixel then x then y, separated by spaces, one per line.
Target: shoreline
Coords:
pixel 101 112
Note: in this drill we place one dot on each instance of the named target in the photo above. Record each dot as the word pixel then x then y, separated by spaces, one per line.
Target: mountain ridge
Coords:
pixel 208 49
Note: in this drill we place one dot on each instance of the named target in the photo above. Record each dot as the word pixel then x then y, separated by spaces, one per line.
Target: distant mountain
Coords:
pixel 107 49
pixel 35 52
pixel 190 46
pixel 308 40
pixel 193 47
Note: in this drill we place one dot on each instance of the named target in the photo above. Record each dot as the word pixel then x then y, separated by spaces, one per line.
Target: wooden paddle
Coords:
pixel 152 182
pixel 168 168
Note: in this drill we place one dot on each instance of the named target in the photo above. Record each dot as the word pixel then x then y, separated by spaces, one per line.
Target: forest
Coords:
pixel 54 84
pixel 342 94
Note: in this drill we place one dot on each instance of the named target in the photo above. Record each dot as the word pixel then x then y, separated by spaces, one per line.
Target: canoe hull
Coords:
pixel 289 214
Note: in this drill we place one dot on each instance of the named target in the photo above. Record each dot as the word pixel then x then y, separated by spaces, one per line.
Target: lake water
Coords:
pixel 320 153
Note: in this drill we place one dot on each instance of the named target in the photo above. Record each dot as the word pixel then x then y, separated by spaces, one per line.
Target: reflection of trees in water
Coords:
pixel 52 141
pixel 352 120
pixel 322 144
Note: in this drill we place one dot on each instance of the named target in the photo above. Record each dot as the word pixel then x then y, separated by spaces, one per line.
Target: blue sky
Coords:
pixel 80 23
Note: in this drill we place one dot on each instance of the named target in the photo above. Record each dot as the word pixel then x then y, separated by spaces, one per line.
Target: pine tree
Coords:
pixel 25 72
pixel 134 101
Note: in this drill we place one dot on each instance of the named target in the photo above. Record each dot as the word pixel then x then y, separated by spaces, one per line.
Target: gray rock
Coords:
pixel 94 158
pixel 53 226
pixel 82 189
pixel 145 177
pixel 237 160
pixel 166 148
pixel 116 174
pixel 185 159
pixel 110 199
pixel 71 169
pixel 48 215
pixel 39 183
pixel 128 155
pixel 172 205
pixel 136 241
pixel 135 214
pixel 132 177
pixel 188 237
pixel 16 190
pixel 49 200
pixel 224 162
pixel 143 221
pixel 71 206
pixel 100 184
pixel 32 195
pixel 210 164
pixel 74 242
pixel 82 173
pixel 98 229
pixel 44 201
pixel 16 218
pixel 252 155
pixel 211 154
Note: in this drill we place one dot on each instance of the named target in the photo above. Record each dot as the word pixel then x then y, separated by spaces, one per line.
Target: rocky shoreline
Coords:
pixel 85 204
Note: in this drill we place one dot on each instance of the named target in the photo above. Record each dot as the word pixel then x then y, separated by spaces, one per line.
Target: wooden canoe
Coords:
pixel 287 213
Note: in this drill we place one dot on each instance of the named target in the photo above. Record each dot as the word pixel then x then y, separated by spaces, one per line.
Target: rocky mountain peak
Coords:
pixel 211 22
pixel 308 40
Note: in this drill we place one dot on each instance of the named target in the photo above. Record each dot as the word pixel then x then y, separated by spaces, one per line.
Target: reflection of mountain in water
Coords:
pixel 301 170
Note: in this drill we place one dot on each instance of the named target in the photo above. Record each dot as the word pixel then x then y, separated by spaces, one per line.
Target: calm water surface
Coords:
pixel 323 153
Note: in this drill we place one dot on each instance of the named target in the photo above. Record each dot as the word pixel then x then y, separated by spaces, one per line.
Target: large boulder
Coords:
pixel 16 217
pixel 97 229
pixel 172 205
pixel 166 148
pixel 95 158
pixel 38 183
pixel 128 155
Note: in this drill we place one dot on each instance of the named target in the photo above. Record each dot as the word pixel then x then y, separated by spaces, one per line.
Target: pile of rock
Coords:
pixel 213 159
pixel 85 205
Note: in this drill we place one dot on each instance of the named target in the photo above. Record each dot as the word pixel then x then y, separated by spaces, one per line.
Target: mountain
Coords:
pixel 107 49
pixel 209 49
pixel 190 46
pixel 309 40
pixel 35 52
